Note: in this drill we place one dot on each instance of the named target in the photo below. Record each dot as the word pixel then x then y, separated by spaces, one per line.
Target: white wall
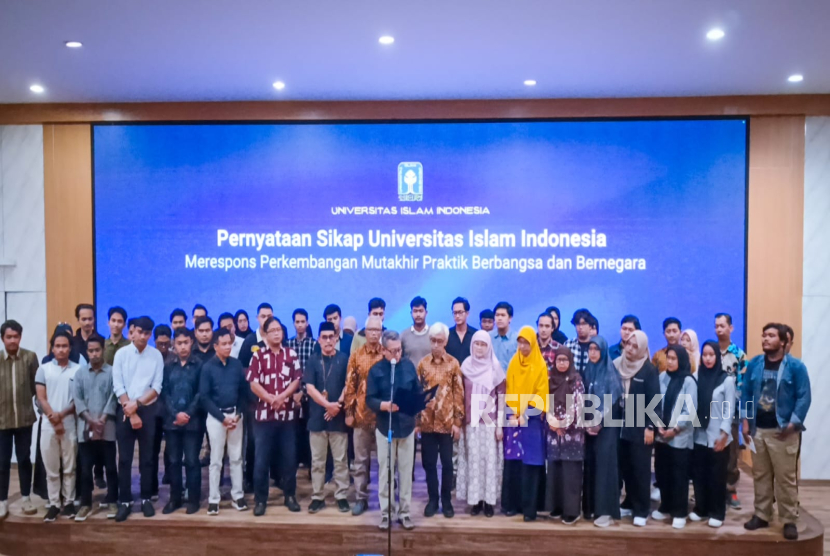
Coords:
pixel 815 344
pixel 23 241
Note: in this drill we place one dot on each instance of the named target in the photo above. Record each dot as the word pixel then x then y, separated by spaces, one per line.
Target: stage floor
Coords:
pixel 330 532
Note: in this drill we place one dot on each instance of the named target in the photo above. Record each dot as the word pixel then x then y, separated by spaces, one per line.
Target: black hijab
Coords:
pixel 707 380
pixel 239 333
pixel 676 380
pixel 562 384
pixel 558 335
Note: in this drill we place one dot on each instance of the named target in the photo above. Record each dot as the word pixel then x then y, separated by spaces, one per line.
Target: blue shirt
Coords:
pixel 504 346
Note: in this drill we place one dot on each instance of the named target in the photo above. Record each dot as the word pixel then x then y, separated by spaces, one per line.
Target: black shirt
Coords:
pixel 246 351
pixel 223 386
pixel 378 389
pixel 80 344
pixel 202 357
pixel 326 374
pixel 458 348
pixel 180 393
pixel 765 417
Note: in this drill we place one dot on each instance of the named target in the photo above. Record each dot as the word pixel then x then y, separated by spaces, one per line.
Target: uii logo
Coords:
pixel 410 181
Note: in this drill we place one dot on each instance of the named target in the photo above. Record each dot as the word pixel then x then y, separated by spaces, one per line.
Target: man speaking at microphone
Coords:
pixel 378 399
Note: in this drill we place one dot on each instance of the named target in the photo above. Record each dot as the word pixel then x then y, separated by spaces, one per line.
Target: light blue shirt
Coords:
pixel 721 414
pixel 133 373
pixel 504 346
pixel 684 438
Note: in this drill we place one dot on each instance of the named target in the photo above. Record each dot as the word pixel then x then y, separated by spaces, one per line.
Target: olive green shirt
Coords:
pixel 17 389
pixel 110 348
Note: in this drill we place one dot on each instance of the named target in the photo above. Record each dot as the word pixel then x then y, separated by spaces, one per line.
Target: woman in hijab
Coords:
pixel 715 411
pixel 600 484
pixel 689 341
pixel 566 438
pixel 527 392
pixel 558 335
pixel 676 438
pixel 242 324
pixel 480 460
pixel 639 379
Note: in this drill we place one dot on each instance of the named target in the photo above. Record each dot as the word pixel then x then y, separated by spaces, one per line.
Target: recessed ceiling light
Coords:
pixel 73 44
pixel 715 34
pixel 797 78
pixel 37 89
pixel 279 85
pixel 386 39
pixel 530 82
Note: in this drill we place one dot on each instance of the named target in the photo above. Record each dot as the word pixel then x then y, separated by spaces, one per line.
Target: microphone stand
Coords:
pixel 390 500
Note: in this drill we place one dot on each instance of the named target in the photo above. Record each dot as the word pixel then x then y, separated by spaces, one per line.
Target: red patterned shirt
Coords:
pixel 275 371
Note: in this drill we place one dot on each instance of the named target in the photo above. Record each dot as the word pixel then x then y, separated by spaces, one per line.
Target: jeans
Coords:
pixel 184 444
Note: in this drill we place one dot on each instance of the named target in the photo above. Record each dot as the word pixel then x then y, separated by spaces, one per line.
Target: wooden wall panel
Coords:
pixel 67 160
pixel 775 243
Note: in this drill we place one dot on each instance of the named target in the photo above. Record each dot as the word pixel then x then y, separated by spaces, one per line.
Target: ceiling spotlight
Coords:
pixel 530 82
pixel 37 89
pixel 279 85
pixel 797 78
pixel 715 34
pixel 386 39
pixel 73 44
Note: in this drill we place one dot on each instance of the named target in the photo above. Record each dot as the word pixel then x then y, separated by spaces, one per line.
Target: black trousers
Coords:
pixel 250 447
pixel 184 445
pixel 564 488
pixel 127 437
pixel 533 477
pixel 671 467
pixel 709 471
pixel 22 443
pixel 601 479
pixel 635 467
pixel 511 486
pixel 522 487
pixel 92 453
pixel 303 439
pixel 432 445
pixel 157 437
pixel 283 437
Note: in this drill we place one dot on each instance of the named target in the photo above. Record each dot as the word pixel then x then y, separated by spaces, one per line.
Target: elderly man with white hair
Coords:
pixel 440 422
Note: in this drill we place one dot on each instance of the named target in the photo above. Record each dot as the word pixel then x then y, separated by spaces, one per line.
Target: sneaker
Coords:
pixel 790 532
pixel 640 521
pixel 406 523
pixel 734 502
pixel 213 509
pixel 69 511
pixel 570 520
pixel 657 515
pixel 100 483
pixel 259 509
pixel 604 521
pixel 171 507
pixel 124 511
pixel 316 506
pixel 431 508
pixel 678 522
pixel 83 513
pixel 694 517
pixel 112 511
pixel 292 504
pixel 147 508
pixel 27 507
pixel 384 523
pixel 655 494
pixel 715 523
pixel 625 512
pixel 52 514
pixel 343 505
pixel 240 505
pixel 756 523
pixel 4 509
pixel 359 507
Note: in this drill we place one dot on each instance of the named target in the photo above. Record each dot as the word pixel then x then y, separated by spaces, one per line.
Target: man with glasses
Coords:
pixel 461 335
pixel 358 415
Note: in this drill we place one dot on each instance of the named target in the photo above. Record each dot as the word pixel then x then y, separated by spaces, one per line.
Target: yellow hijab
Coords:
pixel 527 375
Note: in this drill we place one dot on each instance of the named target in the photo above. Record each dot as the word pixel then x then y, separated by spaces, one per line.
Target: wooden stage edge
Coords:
pixel 330 532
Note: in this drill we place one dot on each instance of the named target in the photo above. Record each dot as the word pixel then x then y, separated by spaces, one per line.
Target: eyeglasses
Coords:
pixel 459 313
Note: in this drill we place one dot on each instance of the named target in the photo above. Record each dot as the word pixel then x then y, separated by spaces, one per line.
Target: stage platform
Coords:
pixel 329 532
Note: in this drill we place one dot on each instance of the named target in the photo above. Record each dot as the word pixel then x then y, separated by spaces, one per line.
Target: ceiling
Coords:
pixel 177 50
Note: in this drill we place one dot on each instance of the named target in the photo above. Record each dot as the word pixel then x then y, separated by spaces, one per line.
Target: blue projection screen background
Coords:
pixel 643 217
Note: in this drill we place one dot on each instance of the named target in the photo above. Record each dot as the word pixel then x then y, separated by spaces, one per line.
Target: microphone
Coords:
pixel 392 362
